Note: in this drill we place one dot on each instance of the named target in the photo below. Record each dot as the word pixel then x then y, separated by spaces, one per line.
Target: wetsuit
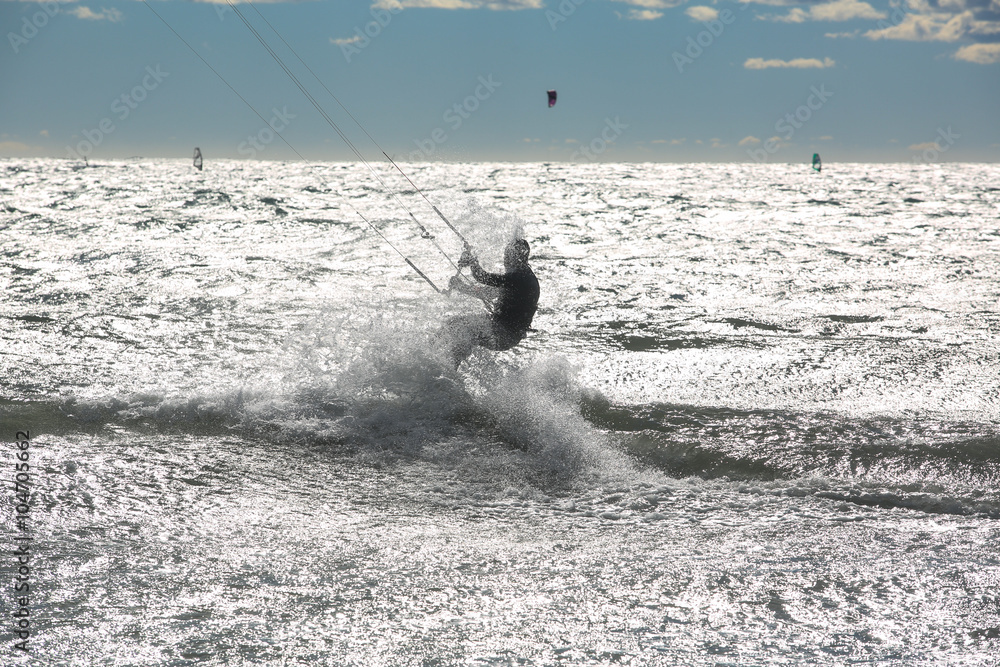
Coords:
pixel 513 311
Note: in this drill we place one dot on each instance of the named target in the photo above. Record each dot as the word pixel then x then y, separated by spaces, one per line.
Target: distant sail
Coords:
pixel 552 98
pixel 817 163
pixel 197 158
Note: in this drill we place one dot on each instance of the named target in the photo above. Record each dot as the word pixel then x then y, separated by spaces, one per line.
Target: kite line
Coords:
pixel 356 121
pixel 424 232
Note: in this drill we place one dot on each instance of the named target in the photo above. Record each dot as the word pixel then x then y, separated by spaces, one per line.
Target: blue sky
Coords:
pixel 461 80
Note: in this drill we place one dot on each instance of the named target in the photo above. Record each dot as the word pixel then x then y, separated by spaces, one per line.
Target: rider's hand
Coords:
pixel 466 259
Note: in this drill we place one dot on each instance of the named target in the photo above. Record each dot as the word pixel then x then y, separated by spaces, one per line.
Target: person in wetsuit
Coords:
pixel 514 297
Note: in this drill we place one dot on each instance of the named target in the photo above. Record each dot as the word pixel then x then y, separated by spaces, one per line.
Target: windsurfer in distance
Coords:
pixel 512 298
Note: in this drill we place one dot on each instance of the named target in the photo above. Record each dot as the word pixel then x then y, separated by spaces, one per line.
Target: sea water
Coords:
pixel 758 422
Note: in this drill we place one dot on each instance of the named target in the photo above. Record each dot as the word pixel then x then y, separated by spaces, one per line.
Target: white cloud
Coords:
pixel 796 15
pixel 44 133
pixel 928 145
pixel 648 10
pixel 927 28
pixel 700 13
pixel 797 63
pixel 981 54
pixel 653 4
pixel 86 13
pixel 226 2
pixel 771 3
pixel 496 5
pixel 837 10
pixel 984 28
pixel 749 141
pixel 844 10
pixel 643 15
pixel 345 41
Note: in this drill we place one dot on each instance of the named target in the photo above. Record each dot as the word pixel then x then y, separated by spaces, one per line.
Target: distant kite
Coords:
pixel 552 98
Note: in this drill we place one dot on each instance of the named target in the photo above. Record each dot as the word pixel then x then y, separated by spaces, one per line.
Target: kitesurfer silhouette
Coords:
pixel 513 296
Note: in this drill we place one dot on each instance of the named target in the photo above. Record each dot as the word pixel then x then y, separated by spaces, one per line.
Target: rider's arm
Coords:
pixel 478 291
pixel 487 278
pixel 484 277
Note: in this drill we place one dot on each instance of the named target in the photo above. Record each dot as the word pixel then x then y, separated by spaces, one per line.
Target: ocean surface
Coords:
pixel 758 422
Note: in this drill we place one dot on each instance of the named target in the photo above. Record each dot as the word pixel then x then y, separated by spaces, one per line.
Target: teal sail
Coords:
pixel 817 163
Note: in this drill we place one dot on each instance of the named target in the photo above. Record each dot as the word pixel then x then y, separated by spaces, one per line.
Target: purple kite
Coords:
pixel 552 98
